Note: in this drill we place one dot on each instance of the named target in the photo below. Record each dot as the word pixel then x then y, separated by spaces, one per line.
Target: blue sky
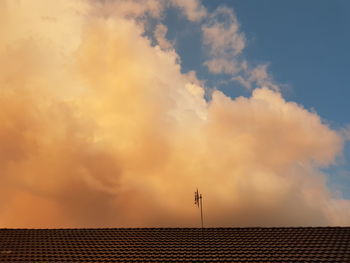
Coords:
pixel 305 44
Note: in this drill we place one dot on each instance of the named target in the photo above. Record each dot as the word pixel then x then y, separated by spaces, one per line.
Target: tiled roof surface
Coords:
pixel 299 244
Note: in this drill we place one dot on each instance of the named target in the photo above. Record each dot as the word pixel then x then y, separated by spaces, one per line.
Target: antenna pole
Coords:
pixel 200 198
pixel 198 202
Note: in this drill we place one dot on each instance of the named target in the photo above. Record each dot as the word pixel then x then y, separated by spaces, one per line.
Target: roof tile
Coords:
pixel 294 244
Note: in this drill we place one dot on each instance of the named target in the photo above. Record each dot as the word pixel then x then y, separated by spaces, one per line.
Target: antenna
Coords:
pixel 198 201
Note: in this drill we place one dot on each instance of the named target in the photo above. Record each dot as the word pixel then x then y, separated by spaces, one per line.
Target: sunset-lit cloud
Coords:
pixel 193 9
pixel 100 128
pixel 256 77
pixel 222 37
pixel 160 36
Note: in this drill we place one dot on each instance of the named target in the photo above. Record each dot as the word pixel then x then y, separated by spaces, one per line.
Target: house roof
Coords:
pixel 295 244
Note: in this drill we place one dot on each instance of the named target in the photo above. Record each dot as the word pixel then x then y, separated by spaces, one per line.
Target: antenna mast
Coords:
pixel 198 201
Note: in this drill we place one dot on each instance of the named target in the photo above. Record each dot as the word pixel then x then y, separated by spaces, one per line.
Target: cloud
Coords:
pixel 221 33
pixel 256 77
pixel 160 36
pixel 193 9
pixel 101 129
pixel 127 8
pixel 224 41
pixel 218 66
pixel 346 132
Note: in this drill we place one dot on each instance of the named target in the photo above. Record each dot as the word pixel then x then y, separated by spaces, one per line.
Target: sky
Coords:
pixel 305 45
pixel 113 112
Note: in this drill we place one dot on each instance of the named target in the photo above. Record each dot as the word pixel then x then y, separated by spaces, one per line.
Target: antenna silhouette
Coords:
pixel 198 201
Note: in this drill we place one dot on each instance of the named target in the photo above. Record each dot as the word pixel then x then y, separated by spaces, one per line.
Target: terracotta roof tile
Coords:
pixel 296 244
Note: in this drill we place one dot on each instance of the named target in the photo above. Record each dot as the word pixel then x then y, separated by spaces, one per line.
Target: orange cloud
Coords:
pixel 99 128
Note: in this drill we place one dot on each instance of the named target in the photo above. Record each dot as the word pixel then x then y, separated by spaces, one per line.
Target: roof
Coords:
pixel 295 244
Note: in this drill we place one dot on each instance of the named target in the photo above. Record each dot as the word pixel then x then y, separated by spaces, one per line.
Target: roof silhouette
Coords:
pixel 286 244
